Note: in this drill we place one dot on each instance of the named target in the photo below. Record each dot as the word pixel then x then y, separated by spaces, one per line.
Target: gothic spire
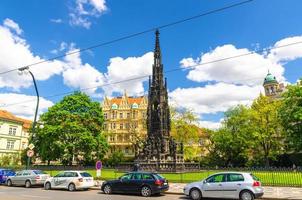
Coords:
pixel 157 52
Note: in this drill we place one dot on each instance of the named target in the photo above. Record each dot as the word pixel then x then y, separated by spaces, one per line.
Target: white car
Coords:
pixel 70 180
pixel 227 185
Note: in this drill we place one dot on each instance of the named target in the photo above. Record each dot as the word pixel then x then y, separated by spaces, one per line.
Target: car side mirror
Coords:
pixel 205 181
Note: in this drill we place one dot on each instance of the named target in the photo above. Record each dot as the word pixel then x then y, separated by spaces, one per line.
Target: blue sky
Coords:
pixel 31 31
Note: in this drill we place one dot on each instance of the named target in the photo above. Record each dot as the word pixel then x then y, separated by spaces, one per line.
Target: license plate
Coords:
pixel 165 183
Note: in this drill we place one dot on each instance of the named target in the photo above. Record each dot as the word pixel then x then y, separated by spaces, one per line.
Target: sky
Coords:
pixel 33 31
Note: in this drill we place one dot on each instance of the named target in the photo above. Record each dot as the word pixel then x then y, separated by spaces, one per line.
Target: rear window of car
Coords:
pixel 147 176
pixel 38 172
pixel 157 176
pixel 8 172
pixel 85 174
pixel 255 178
pixel 235 177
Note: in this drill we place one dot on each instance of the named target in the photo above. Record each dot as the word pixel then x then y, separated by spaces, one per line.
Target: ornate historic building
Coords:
pixel 14 133
pixel 272 87
pixel 125 122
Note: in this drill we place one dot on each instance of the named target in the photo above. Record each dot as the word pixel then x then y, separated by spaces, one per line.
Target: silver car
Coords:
pixel 228 185
pixel 27 178
pixel 70 180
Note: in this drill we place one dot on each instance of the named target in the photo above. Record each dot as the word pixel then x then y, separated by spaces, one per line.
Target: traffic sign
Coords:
pixel 98 165
pixel 31 146
pixel 30 153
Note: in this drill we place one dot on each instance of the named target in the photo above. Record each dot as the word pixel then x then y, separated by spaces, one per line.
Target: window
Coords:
pixel 105 126
pixel 235 177
pixel 12 130
pixel 85 174
pixel 216 178
pixel 121 126
pixel 126 177
pixel 144 115
pixel 134 115
pixel 114 126
pixel 121 115
pixel 127 125
pixel 136 176
pixel 105 115
pixel 71 174
pixel 147 176
pixel 128 115
pixel 60 174
pixel 10 144
pixel 19 174
pixel 39 172
pixel 23 145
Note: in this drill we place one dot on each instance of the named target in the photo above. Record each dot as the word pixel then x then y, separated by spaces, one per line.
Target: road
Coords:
pixel 21 193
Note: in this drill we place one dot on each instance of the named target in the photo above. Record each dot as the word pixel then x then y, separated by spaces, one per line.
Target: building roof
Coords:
pixel 270 79
pixel 130 100
pixel 10 117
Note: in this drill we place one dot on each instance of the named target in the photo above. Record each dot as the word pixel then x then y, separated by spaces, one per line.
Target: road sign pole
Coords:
pixel 28 161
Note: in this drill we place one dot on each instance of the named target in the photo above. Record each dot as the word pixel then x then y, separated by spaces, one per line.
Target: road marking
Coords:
pixel 32 196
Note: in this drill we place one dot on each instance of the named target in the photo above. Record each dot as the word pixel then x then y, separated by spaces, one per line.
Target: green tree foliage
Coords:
pixel 291 115
pixel 115 158
pixel 184 129
pixel 267 132
pixel 230 144
pixel 71 129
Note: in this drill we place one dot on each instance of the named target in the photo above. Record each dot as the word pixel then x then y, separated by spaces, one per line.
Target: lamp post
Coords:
pixel 26 70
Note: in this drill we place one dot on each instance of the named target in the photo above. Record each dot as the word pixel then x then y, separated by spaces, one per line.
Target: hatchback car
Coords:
pixel 70 180
pixel 27 178
pixel 228 185
pixel 4 173
pixel 143 183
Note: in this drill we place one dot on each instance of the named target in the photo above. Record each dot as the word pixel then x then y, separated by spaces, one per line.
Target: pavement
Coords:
pixel 279 193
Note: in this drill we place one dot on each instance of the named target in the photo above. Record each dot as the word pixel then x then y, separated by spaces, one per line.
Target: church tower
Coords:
pixel 272 87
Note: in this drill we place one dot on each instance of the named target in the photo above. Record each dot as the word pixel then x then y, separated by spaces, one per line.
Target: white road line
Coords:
pixel 32 196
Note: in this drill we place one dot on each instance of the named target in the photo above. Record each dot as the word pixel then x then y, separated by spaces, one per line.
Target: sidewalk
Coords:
pixel 269 192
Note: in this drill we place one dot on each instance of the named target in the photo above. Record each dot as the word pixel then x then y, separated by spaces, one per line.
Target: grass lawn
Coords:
pixel 272 178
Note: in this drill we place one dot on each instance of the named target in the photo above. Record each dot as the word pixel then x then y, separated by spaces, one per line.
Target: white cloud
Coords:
pixel 57 21
pixel 84 10
pixel 249 70
pixel 16 54
pixel 26 109
pixel 12 25
pixel 287 53
pixel 213 98
pixel 81 76
pixel 120 69
pixel 210 124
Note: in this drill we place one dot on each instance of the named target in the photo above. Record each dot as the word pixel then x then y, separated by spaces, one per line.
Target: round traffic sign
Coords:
pixel 30 153
pixel 98 164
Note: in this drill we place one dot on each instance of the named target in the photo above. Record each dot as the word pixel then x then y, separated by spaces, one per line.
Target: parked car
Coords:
pixel 144 183
pixel 27 178
pixel 70 180
pixel 228 185
pixel 4 173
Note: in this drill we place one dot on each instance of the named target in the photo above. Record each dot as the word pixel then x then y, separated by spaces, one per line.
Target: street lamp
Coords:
pixel 25 70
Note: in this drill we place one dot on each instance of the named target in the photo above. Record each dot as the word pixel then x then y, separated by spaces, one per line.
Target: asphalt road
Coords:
pixel 37 193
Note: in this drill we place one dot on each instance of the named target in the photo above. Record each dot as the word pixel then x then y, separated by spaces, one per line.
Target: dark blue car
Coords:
pixel 4 173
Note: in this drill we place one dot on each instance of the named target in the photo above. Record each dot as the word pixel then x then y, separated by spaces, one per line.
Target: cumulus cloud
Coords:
pixel 249 70
pixel 16 53
pixel 81 76
pixel 84 10
pixel 214 98
pixel 57 21
pixel 120 69
pixel 210 124
pixel 26 109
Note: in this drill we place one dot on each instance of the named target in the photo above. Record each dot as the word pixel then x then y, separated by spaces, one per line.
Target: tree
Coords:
pixel 185 130
pixel 290 113
pixel 71 130
pixel 230 144
pixel 268 137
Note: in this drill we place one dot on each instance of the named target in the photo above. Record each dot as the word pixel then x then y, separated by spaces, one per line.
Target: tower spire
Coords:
pixel 157 51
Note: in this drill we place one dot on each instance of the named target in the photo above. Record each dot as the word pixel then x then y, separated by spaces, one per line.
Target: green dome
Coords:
pixel 270 79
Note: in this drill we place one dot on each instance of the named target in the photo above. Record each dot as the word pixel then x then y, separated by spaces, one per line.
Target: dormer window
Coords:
pixel 114 106
pixel 135 106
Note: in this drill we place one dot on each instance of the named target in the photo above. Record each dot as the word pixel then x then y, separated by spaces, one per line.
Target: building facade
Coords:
pixel 272 87
pixel 125 122
pixel 14 133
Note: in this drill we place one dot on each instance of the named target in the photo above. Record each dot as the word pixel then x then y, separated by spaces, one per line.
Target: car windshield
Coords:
pixel 38 172
pixel 255 177
pixel 85 174
pixel 157 176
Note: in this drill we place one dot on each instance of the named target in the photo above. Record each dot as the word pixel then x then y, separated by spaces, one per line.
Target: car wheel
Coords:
pixel 195 194
pixel 27 184
pixel 9 183
pixel 146 191
pixel 107 189
pixel 246 195
pixel 71 187
pixel 47 186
